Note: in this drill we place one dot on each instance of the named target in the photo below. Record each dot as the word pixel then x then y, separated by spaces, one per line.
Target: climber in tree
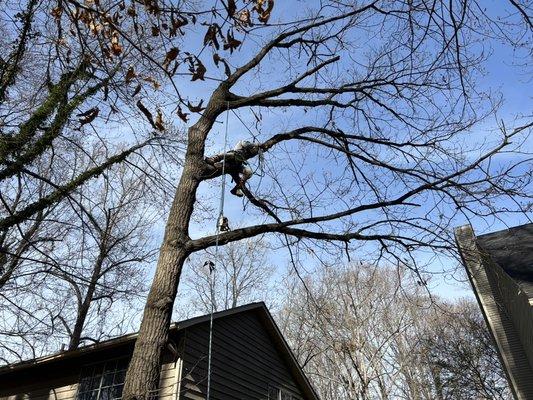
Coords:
pixel 237 165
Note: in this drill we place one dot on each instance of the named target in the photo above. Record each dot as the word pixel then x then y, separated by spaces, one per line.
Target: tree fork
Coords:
pixel 83 310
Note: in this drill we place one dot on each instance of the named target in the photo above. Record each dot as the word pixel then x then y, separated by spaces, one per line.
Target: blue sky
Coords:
pixel 501 76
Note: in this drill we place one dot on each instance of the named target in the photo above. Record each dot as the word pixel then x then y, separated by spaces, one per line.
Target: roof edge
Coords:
pixel 472 260
pixel 294 365
pixel 110 343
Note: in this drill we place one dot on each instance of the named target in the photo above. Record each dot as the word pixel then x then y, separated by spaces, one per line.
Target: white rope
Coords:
pixel 213 270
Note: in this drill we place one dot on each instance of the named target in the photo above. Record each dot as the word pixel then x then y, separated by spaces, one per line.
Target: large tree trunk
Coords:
pixel 143 373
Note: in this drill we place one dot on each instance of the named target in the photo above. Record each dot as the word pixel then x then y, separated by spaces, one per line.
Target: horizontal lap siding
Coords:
pixel 520 310
pixel 244 361
pixel 168 381
pixel 505 330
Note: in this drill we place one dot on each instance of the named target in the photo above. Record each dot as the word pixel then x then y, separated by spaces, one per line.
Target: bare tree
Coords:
pixel 96 249
pixel 459 350
pixel 239 273
pixel 108 249
pixel 17 244
pixel 366 332
pixel 343 325
pixel 25 328
pixel 383 95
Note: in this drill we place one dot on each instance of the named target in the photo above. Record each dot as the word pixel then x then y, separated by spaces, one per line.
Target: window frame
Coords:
pixel 103 365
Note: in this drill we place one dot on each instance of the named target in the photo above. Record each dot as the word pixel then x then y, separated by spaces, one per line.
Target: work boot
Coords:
pixel 236 191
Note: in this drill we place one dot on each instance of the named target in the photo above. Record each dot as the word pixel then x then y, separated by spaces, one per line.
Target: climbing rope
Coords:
pixel 212 270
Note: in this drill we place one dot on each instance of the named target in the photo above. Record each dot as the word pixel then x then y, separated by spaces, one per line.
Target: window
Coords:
pixel 275 393
pixel 103 381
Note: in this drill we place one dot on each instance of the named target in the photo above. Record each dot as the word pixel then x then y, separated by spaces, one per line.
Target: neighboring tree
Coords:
pixel 74 284
pixel 462 356
pixel 17 244
pixel 342 327
pixel 106 253
pixel 63 80
pixel 25 326
pixel 240 274
pixel 67 89
pixel 363 332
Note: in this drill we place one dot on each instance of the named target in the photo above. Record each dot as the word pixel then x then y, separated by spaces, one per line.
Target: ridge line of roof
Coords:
pixel 505 230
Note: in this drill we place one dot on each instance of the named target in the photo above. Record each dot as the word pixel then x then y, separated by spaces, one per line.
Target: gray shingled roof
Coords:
pixel 512 250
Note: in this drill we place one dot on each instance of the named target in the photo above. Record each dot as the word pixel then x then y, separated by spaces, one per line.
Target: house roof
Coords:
pixel 512 250
pixel 259 308
pixel 499 266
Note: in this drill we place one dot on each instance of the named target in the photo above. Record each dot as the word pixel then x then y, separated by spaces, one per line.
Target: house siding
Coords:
pixel 249 356
pixel 245 362
pixel 169 381
pixel 61 382
pixel 517 307
pixel 53 390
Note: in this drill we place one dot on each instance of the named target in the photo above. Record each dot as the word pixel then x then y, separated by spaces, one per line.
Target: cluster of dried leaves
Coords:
pixel 153 32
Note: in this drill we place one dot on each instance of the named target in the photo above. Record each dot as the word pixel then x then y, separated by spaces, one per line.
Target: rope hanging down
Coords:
pixel 221 221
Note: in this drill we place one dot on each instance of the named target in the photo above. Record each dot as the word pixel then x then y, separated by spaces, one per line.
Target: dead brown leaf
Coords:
pixel 183 116
pixel 153 81
pixel 159 125
pixel 170 56
pixel 210 37
pixel 245 18
pixel 231 7
pixel 263 14
pixel 198 71
pixel 231 42
pixel 217 59
pixel 146 113
pixel 130 74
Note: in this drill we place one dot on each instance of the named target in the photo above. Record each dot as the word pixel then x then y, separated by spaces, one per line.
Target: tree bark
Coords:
pixel 142 378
